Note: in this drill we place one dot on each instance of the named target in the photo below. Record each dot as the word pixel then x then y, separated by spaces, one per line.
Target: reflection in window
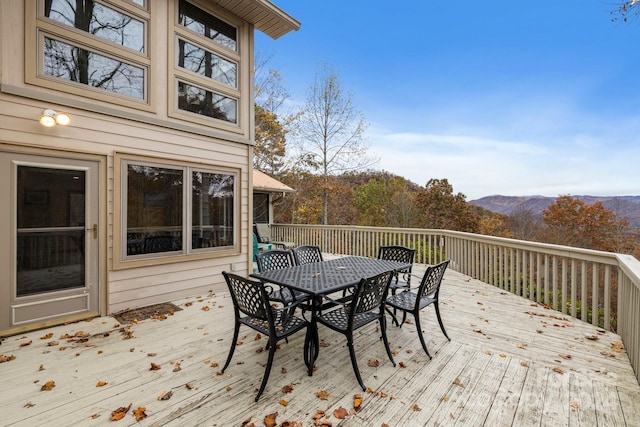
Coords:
pixel 154 209
pixel 205 63
pixel 75 64
pixel 156 219
pixel 207 25
pixel 98 20
pixel 212 210
pixel 261 208
pixel 206 103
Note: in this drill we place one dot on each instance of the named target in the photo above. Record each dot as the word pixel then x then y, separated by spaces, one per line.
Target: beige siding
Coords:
pixel 105 130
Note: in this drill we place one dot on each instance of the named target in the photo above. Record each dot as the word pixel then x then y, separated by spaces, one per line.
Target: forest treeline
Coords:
pixel 382 199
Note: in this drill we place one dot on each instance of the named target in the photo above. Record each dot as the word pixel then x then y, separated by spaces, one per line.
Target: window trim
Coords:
pixel 122 261
pixel 37 26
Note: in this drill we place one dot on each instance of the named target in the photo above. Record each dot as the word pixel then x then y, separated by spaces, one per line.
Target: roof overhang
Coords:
pixel 264 15
pixel 264 183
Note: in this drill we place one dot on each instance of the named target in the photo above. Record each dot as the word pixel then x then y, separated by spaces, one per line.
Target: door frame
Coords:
pixel 8 230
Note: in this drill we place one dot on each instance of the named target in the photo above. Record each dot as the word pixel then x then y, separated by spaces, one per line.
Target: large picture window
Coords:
pixel 176 210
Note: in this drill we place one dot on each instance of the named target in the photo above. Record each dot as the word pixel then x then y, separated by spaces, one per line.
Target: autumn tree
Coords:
pixel 441 209
pixel 524 223
pixel 385 202
pixel 625 10
pixel 272 124
pixel 331 132
pixel 571 222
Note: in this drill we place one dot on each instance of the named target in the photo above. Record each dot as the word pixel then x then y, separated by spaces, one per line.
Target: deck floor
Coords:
pixel 510 362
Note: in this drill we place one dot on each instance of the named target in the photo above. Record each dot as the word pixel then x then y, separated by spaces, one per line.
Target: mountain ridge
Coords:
pixel 627 207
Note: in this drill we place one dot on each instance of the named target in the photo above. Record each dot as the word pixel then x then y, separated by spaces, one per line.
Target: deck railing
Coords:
pixel 601 288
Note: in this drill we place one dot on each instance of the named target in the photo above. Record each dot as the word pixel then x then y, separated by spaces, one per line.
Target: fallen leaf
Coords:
pixel 340 413
pixel 101 384
pixel 357 401
pixel 502 355
pixel 373 363
pixel 41 368
pixel 155 367
pixel 565 356
pixel 270 420
pixel 591 337
pixel 166 395
pixel 119 413
pixel 152 354
pixel 558 370
pixel 322 395
pixel 445 399
pixel 522 346
pixel 229 388
pixel 205 308
pixel 618 347
pixel 29 405
pixel 574 405
pixel 24 344
pixel 177 367
pixel 283 370
pixel 258 336
pixel 94 416
pixel 139 413
pixel 46 337
pixel 458 383
pixel 283 402
pixel 402 364
pixel 189 386
pixel 489 352
pixel 48 386
pixel 4 358
pixel 287 388
pixel 415 407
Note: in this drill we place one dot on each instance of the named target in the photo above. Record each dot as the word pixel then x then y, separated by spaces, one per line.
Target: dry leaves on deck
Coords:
pixel 140 413
pixel 48 386
pixel 4 358
pixel 340 413
pixel 119 413
pixel 357 401
pixel 322 395
pixel 270 419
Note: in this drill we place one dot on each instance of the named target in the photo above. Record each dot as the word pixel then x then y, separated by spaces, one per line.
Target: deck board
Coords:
pixel 510 362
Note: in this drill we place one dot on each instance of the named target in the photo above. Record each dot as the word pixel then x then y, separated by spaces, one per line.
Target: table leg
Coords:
pixel 312 342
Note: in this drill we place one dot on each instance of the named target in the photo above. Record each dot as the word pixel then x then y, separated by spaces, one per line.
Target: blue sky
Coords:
pixel 498 97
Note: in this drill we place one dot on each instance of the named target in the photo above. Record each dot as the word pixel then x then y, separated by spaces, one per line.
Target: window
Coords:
pixel 92 45
pixel 206 67
pixel 176 209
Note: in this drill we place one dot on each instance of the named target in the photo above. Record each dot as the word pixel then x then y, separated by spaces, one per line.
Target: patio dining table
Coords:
pixel 319 279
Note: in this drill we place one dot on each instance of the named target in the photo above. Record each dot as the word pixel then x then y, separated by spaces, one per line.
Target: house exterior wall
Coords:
pixel 106 131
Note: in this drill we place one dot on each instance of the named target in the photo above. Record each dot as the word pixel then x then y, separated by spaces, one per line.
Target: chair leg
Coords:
pixel 233 345
pixel 354 363
pixel 440 321
pixel 267 370
pixel 393 315
pixel 383 329
pixel 424 344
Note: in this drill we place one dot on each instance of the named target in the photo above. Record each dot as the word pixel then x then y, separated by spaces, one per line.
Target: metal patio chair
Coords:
pixel 428 293
pixel 252 308
pixel 401 279
pixel 345 318
pixel 306 254
pixel 274 260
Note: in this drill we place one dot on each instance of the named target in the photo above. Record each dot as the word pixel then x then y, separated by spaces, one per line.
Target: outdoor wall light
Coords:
pixel 50 118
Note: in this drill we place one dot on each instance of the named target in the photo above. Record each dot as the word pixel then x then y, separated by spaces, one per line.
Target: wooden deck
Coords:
pixel 510 362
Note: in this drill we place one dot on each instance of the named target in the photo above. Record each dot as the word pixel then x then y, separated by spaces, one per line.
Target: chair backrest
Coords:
pixel 274 260
pixel 371 293
pixel 264 232
pixel 397 253
pixel 306 254
pixel 248 296
pixel 430 285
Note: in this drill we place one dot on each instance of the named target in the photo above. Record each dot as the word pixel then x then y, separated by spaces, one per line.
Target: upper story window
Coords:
pixel 206 25
pixel 99 20
pixel 99 46
pixel 207 66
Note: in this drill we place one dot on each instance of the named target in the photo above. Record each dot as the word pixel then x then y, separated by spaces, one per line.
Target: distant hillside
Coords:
pixel 624 206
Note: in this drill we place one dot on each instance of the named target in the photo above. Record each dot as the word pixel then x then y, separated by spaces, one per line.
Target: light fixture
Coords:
pixel 50 118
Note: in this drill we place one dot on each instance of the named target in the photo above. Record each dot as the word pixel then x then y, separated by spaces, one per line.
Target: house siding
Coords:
pixel 103 131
